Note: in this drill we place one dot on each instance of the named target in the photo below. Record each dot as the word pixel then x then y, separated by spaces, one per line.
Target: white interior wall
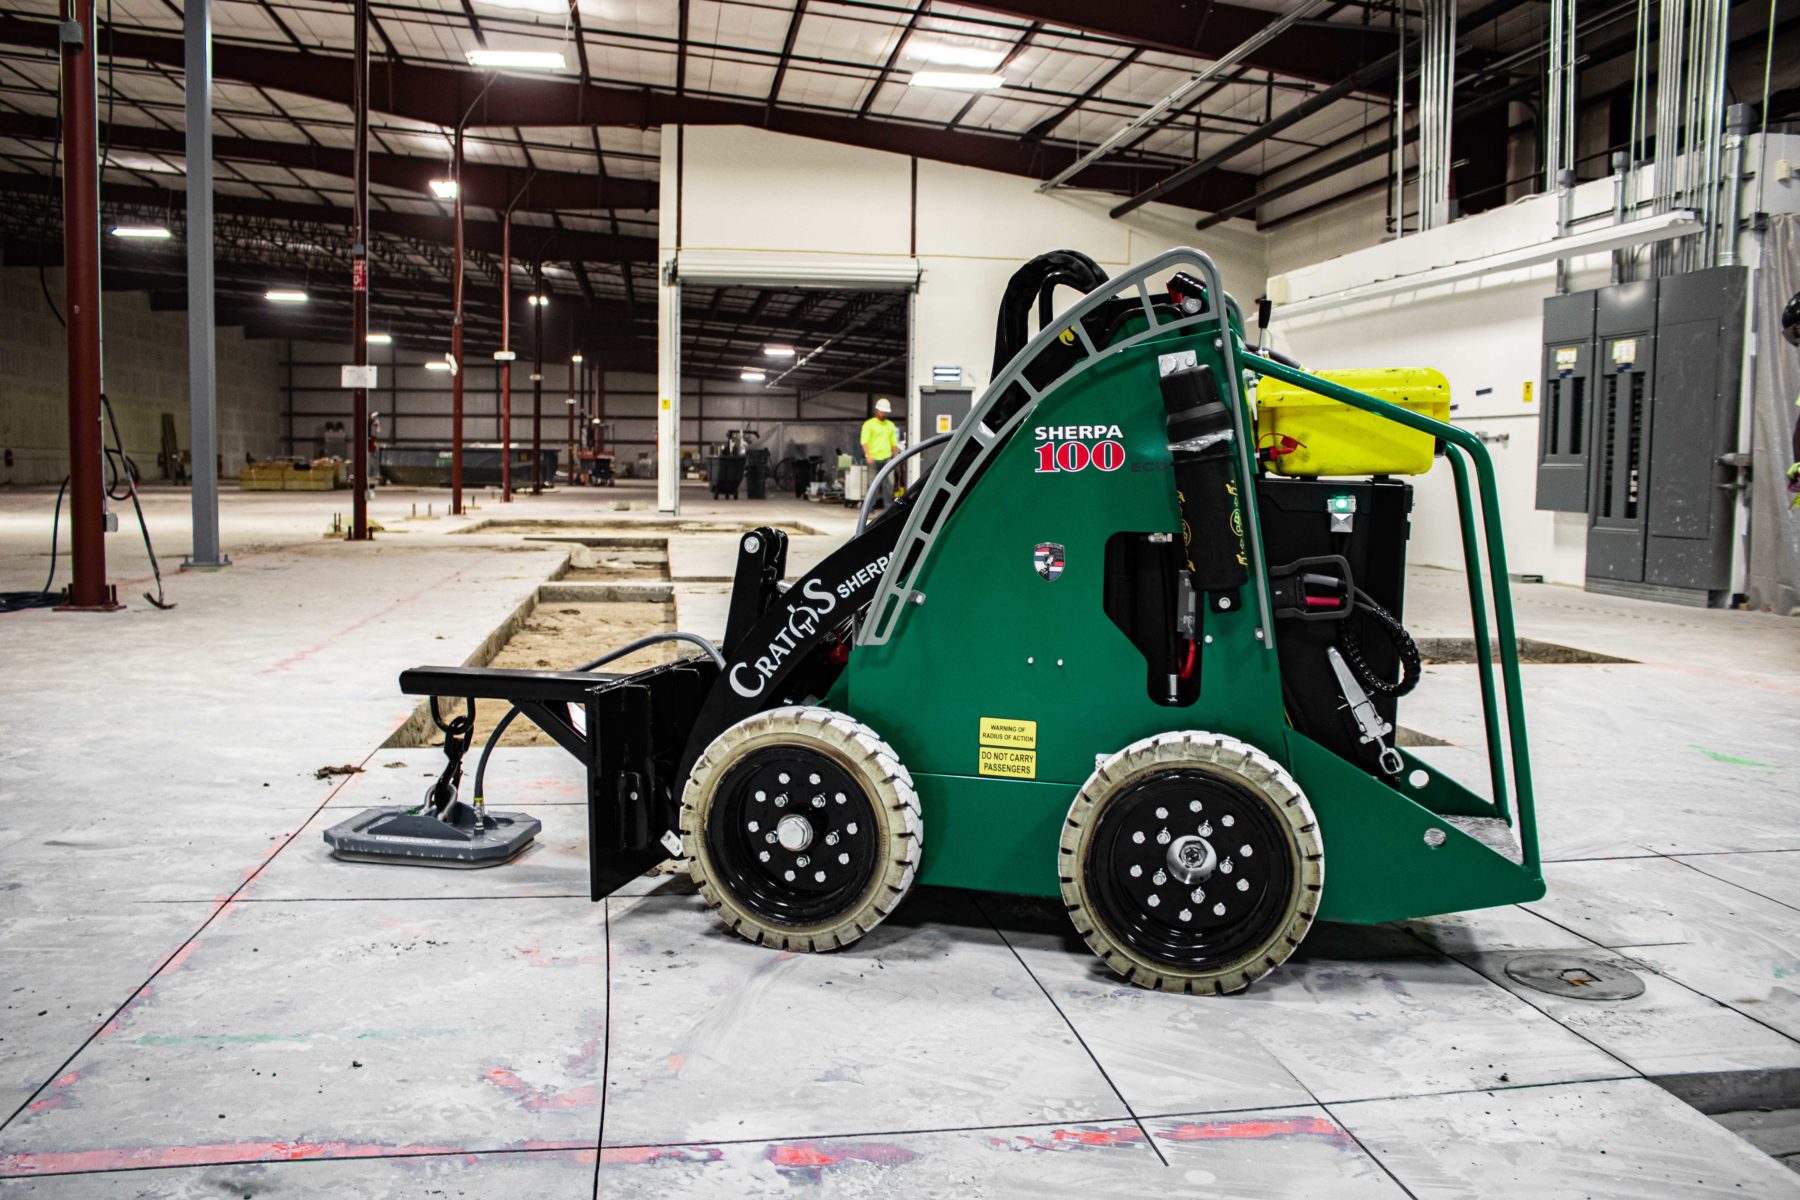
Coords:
pixel 964 230
pixel 1485 334
pixel 145 358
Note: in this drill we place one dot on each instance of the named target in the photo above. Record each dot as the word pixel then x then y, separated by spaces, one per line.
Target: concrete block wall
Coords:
pixel 145 364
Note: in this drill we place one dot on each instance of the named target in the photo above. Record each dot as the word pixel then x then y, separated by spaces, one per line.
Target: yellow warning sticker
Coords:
pixel 1018 735
pixel 1009 764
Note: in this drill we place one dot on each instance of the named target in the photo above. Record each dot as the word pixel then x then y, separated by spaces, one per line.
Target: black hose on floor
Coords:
pixel 126 469
pixel 43 597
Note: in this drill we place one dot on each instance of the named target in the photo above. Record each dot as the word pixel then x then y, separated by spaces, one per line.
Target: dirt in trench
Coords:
pixel 560 636
pixel 603 565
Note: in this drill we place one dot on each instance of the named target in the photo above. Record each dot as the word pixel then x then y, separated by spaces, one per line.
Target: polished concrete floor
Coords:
pixel 199 1001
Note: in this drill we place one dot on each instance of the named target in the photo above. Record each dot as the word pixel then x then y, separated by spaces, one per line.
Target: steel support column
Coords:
pixel 537 388
pixel 88 590
pixel 576 388
pixel 203 408
pixel 362 431
pixel 456 338
pixel 506 290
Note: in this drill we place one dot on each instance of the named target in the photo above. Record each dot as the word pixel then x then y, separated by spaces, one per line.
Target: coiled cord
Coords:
pixel 1350 645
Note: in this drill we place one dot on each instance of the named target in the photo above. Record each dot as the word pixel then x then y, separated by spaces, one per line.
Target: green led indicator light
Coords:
pixel 1340 504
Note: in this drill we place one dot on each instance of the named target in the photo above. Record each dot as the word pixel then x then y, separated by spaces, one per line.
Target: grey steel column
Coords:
pixel 203 409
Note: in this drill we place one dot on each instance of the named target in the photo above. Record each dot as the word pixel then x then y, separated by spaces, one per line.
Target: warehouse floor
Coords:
pixel 200 1002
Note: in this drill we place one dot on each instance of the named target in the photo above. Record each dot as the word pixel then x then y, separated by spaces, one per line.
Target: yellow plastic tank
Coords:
pixel 1314 435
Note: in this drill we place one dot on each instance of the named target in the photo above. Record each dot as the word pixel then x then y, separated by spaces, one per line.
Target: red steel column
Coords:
pixel 506 364
pixel 88 591
pixel 456 341
pixel 359 275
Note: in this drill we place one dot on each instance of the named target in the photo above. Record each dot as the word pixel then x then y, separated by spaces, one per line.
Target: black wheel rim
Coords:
pixel 1182 819
pixel 792 835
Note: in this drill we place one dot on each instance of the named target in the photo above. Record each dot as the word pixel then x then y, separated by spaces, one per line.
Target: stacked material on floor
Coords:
pixel 297 475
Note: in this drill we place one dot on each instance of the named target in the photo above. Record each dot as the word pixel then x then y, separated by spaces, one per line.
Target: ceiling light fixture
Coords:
pixel 779 351
pixel 527 60
pixel 575 357
pixel 444 189
pixel 751 375
pixel 962 81
pixel 437 364
pixel 380 339
pixel 285 296
pixel 947 55
pixel 538 300
pixel 146 232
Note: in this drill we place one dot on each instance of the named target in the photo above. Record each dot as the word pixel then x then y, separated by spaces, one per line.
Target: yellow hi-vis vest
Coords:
pixel 880 437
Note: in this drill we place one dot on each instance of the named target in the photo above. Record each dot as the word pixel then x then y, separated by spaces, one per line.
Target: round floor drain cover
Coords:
pixel 1575 977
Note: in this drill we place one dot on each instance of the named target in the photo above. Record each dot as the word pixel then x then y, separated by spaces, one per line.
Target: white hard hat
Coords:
pixel 882 406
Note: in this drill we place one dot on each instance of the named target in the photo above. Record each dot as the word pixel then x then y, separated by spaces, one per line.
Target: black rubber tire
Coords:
pixel 1255 779
pixel 874 769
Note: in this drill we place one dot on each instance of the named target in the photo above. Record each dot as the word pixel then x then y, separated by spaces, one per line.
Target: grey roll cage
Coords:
pixel 939 493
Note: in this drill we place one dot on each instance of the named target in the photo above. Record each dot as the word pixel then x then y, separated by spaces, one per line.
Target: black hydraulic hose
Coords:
pixel 1404 648
pixel 629 648
pixel 43 597
pixel 1069 267
pixel 130 474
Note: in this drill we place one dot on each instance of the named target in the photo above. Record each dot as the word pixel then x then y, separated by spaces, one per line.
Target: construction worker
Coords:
pixel 880 438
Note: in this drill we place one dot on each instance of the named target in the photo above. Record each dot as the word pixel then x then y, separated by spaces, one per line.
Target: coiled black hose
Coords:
pixel 1350 645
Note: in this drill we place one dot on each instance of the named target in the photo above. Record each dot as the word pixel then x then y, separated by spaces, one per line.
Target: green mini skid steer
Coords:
pixel 1111 647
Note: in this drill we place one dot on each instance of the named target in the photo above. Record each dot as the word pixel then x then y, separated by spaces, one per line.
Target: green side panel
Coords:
pixel 993 835
pixel 1378 866
pixel 996 640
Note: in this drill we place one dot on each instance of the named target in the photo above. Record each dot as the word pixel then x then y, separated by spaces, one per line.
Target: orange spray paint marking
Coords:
pixel 802 1154
pixel 1296 1127
pixel 538 1099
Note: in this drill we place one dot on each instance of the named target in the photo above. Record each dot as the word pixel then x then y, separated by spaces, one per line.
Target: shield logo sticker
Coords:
pixel 1048 558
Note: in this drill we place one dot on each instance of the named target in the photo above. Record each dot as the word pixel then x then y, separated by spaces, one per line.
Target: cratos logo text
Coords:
pixel 807 609
pixel 1078 447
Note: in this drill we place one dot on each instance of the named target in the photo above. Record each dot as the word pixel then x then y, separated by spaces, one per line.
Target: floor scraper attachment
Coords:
pixel 1103 652
pixel 441 830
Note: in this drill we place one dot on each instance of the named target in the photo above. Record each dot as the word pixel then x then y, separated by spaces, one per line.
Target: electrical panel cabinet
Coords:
pixel 1640 386
pixel 1619 463
pixel 1699 371
pixel 1565 387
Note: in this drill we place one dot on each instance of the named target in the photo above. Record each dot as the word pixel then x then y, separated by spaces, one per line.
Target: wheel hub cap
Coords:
pixel 794 832
pixel 1192 859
